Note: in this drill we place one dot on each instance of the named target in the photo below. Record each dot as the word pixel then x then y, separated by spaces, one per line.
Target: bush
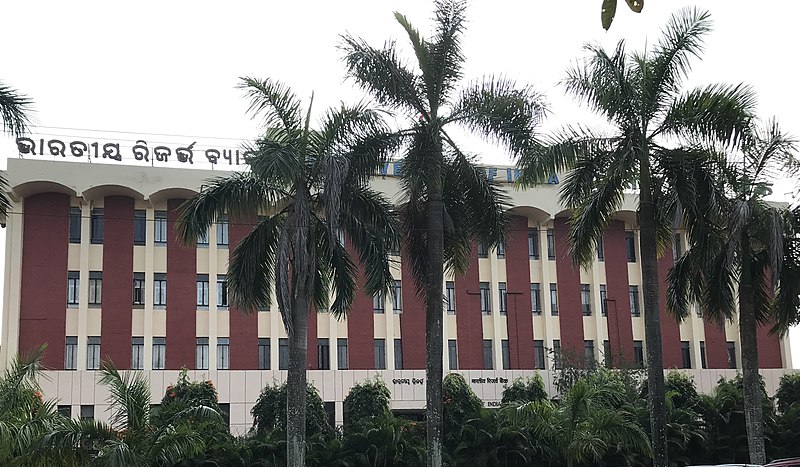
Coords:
pixel 366 400
pixel 788 391
pixel 460 405
pixel 525 390
pixel 269 412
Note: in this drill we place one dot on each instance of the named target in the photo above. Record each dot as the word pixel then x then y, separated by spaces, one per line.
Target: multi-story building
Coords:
pixel 94 271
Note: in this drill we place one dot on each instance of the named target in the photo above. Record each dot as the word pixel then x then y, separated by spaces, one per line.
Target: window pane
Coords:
pixel 686 355
pixel 283 354
pixel 551 245
pixel 139 227
pixel 222 291
pixel 263 353
pixel 380 354
pixel 452 354
pixel 630 246
pixel 536 299
pixel 506 354
pixel 586 300
pixel 397 297
pixel 223 353
pixel 323 354
pixel 634 298
pixel 553 299
pixel 341 353
pixel 483 250
pixel 160 227
pixel 601 254
pixel 556 354
pixel 222 231
pixel 201 354
pixel 450 297
pixel 533 243
pixel 97 226
pixel 538 355
pixel 486 298
pixel 74 225
pixel 731 355
pixel 603 300
pixel 638 353
pixel 487 355
pixel 503 298
pixel 398 354
pixel 377 303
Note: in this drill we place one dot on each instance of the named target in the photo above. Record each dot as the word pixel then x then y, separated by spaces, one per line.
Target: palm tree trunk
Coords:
pixel 748 337
pixel 433 322
pixel 652 318
pixel 296 383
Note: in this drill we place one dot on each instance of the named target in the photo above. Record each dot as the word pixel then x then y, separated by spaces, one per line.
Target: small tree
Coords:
pixel 788 391
pixel 269 412
pixel 460 404
pixel 366 400
pixel 525 390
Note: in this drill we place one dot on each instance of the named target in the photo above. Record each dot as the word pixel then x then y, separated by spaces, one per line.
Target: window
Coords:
pixel 586 300
pixel 159 289
pixel 71 353
pixel 283 353
pixel 202 290
pixel 603 300
pixel 95 287
pixel 501 251
pixel 633 293
pixel 87 412
pixel 93 353
pixel 380 354
pixel 686 355
pixel 222 231
pixel 394 247
pixel 450 297
pixel 483 250
pixel 160 227
pixel 601 249
pixel 341 353
pixel 677 247
pixel 201 354
pixel 377 302
pixel 556 354
pixel 538 355
pixel 505 353
pixel 225 411
pixel 536 299
pixel 486 299
pixel 65 411
pixel 159 353
pixel 533 243
pixel 553 299
pixel 398 354
pixel 75 225
pixel 73 287
pixel 222 291
pixel 138 288
pixel 607 360
pixel 97 226
pixel 638 353
pixel 731 355
pixel 551 245
pixel 488 361
pixel 223 353
pixel 139 227
pixel 323 354
pixel 703 355
pixel 503 298
pixel 202 239
pixel 452 354
pixel 137 353
pixel 588 349
pixel 698 310
pixel 263 353
pixel 397 297
pixel 630 247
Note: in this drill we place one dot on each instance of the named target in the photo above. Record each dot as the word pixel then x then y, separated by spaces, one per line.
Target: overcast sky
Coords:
pixel 155 68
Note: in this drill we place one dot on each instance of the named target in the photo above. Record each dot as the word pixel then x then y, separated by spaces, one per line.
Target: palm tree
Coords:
pixel 661 143
pixel 587 425
pixel 130 437
pixel 449 201
pixel 742 260
pixel 24 415
pixel 15 109
pixel 312 187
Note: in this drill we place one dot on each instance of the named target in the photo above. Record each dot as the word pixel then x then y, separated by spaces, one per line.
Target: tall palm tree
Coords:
pixel 130 437
pixel 15 109
pixel 311 185
pixel 661 142
pixel 741 261
pixel 449 201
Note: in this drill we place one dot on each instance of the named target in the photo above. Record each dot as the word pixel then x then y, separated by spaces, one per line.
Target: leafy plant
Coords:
pixel 525 390
pixel 366 400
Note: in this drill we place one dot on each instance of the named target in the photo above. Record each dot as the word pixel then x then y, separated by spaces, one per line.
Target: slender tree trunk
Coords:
pixel 296 383
pixel 433 321
pixel 652 314
pixel 753 411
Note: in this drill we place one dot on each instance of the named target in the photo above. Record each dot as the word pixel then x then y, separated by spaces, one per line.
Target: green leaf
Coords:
pixel 635 5
pixel 607 12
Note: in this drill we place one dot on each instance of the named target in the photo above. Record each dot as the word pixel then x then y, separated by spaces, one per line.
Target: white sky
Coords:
pixel 171 67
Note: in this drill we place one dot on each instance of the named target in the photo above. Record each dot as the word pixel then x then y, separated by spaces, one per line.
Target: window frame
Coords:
pixel 159 289
pixel 223 353
pixel 139 227
pixel 160 228
pixel 159 357
pixel 486 298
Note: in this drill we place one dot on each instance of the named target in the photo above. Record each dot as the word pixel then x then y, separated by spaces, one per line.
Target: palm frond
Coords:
pixel 342 277
pixel 381 73
pixel 771 153
pixel 274 101
pixel 241 194
pixel 15 109
pixel 502 112
pixel 129 398
pixel 444 50
pixel 719 114
pixel 252 267
pixel 680 42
